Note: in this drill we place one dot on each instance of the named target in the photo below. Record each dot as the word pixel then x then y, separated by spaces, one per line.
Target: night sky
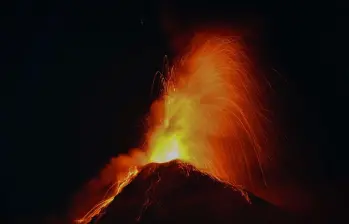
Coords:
pixel 77 78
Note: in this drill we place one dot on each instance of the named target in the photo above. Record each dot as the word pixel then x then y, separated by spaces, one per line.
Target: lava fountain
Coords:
pixel 208 115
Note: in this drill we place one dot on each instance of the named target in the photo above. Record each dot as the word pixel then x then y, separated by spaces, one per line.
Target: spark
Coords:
pixel 209 113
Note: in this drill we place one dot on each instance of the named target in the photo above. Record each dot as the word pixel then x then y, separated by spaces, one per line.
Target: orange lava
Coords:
pixel 208 114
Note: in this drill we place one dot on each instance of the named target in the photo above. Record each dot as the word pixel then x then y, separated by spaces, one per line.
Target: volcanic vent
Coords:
pixel 177 192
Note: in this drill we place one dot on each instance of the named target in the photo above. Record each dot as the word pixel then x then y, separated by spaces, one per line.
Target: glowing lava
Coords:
pixel 208 114
pixel 116 188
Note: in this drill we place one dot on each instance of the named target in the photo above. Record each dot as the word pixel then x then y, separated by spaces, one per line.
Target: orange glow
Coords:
pixel 208 115
pixel 208 112
pixel 174 149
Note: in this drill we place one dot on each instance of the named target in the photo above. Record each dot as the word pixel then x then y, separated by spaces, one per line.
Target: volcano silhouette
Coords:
pixel 176 192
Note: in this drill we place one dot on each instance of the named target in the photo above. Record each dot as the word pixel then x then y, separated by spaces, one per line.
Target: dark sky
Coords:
pixel 78 75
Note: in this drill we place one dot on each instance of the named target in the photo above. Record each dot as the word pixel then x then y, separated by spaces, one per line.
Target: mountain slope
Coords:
pixel 176 192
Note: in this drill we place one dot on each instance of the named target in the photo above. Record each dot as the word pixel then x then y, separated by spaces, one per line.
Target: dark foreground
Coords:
pixel 176 192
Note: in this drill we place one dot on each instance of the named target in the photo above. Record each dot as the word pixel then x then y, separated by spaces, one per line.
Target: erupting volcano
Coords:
pixel 207 128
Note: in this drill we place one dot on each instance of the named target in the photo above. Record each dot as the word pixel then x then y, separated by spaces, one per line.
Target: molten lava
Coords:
pixel 208 115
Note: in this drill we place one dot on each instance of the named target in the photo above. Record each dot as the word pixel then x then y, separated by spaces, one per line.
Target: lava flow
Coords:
pixel 208 115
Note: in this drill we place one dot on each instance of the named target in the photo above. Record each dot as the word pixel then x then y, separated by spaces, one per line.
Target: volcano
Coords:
pixel 177 192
